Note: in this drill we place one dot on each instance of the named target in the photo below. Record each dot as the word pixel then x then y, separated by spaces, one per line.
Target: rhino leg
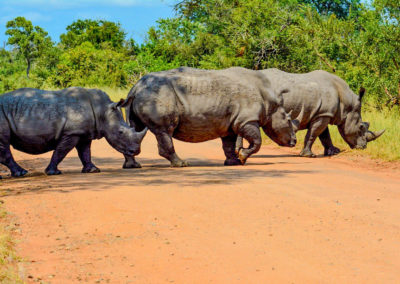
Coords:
pixel 314 130
pixel 7 159
pixel 130 163
pixel 250 132
pixel 329 149
pixel 239 144
pixel 85 156
pixel 166 149
pixel 228 144
pixel 65 145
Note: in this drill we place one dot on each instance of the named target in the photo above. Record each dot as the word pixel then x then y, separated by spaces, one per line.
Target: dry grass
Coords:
pixel 8 258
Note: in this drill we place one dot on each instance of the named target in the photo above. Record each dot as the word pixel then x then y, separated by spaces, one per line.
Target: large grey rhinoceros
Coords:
pixel 36 121
pixel 317 99
pixel 195 105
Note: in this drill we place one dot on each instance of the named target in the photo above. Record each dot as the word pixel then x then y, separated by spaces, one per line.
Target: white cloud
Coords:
pixel 31 16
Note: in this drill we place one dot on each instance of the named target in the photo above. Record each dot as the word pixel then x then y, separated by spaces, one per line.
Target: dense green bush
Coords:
pixel 358 42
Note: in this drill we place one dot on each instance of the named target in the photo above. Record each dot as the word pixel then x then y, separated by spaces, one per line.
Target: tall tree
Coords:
pixel 30 41
pixel 96 32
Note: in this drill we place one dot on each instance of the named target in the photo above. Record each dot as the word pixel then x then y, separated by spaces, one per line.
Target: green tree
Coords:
pixel 94 31
pixel 30 41
pixel 341 8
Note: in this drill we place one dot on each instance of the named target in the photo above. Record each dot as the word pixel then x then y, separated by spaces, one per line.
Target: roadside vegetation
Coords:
pixel 356 40
pixel 8 258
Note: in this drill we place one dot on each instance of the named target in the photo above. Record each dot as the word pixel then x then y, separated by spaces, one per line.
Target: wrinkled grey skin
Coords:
pixel 36 121
pixel 196 105
pixel 317 99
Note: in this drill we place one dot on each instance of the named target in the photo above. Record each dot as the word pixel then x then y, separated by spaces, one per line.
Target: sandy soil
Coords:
pixel 279 219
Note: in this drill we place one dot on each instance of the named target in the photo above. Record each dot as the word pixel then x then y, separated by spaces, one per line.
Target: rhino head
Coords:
pixel 279 126
pixel 354 131
pixel 118 133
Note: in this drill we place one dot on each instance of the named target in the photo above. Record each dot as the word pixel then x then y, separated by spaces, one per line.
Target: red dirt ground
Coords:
pixel 279 219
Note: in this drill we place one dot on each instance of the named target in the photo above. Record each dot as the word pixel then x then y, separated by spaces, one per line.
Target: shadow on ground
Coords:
pixel 155 172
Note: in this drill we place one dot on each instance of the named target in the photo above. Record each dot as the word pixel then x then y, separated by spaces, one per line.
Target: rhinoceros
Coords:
pixel 37 121
pixel 317 99
pixel 195 105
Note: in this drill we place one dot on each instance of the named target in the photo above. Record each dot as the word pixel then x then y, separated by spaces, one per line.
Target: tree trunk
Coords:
pixel 28 68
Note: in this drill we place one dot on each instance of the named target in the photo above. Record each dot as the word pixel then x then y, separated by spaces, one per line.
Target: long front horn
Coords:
pixel 140 135
pixel 371 136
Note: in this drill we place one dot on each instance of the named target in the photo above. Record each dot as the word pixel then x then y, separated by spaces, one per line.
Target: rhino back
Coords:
pixel 204 104
pixel 38 118
pixel 311 95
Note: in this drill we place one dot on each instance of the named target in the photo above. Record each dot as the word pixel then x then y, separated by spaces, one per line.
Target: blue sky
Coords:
pixel 135 16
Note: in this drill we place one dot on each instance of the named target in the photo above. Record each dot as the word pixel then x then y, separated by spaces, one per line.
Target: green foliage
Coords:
pixel 360 43
pixel 85 65
pixel 341 8
pixel 30 41
pixel 95 32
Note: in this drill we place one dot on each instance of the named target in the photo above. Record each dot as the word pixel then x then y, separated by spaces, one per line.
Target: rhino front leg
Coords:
pixel 314 130
pixel 130 163
pixel 329 149
pixel 85 156
pixel 250 132
pixel 166 149
pixel 7 159
pixel 65 145
pixel 228 144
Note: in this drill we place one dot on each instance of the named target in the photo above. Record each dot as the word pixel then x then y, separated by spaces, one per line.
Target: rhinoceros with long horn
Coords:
pixel 317 99
pixel 37 121
pixel 196 105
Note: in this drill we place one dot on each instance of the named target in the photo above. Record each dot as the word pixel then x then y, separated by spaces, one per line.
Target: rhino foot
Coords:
pixel 91 169
pixel 19 173
pixel 307 153
pixel 179 164
pixel 131 165
pixel 52 172
pixel 330 151
pixel 242 157
pixel 232 162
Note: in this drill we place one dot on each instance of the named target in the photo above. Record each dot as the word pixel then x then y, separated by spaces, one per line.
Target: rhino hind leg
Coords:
pixel 7 159
pixel 250 132
pixel 229 146
pixel 329 149
pixel 64 146
pixel 314 130
pixel 239 144
pixel 83 148
pixel 166 149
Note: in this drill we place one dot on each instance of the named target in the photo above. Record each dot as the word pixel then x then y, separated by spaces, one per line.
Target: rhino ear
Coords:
pixel 120 103
pixel 361 93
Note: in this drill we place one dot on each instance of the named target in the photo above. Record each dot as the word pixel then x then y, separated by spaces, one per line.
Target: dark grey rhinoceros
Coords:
pixel 36 121
pixel 196 105
pixel 317 99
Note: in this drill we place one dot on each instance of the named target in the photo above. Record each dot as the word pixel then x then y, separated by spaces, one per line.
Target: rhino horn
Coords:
pixel 290 113
pixel 140 135
pixel 371 136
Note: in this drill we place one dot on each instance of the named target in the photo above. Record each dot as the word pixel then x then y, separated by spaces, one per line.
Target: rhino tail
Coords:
pixel 361 93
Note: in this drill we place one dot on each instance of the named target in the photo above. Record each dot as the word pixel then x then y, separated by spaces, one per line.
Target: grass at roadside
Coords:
pixel 8 258
pixel 386 148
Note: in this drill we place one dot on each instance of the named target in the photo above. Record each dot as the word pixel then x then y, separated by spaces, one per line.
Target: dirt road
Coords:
pixel 279 219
